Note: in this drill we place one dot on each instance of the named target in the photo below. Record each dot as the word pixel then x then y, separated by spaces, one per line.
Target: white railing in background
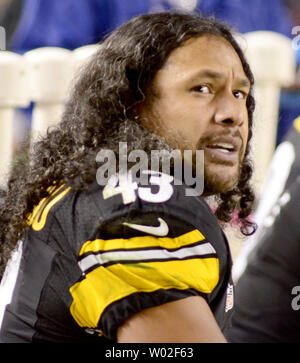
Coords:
pixel 51 70
pixel 13 93
pixel 43 76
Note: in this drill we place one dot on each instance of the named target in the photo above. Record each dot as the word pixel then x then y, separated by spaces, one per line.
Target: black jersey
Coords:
pixel 267 304
pixel 93 258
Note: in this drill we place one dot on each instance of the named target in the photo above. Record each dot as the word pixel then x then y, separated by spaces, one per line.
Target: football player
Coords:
pixel 130 261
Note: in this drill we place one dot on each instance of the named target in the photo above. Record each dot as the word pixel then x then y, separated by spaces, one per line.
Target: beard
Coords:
pixel 216 184
pixel 221 176
pixel 140 138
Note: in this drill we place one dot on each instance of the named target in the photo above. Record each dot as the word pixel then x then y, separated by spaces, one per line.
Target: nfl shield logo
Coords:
pixel 229 298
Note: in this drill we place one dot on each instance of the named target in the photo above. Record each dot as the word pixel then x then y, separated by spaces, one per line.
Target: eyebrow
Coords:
pixel 207 73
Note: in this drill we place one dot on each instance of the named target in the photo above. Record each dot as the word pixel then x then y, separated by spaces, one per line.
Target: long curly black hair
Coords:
pixel 100 113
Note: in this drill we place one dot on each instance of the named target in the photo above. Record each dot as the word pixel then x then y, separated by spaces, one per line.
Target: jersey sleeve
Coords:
pixel 144 256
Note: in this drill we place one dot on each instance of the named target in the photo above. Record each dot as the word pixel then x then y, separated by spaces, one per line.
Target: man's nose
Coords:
pixel 230 110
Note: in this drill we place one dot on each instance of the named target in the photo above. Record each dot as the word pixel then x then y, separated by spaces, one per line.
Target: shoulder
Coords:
pixel 160 206
pixel 124 201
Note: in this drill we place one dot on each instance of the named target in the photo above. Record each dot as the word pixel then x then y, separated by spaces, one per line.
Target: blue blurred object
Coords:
pixel 289 104
pixel 251 15
pixel 73 23
pixel 288 112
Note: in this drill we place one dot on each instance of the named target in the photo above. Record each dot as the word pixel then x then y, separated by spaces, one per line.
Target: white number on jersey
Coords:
pixel 124 185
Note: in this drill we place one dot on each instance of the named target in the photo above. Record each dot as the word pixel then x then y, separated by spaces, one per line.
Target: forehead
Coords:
pixel 207 51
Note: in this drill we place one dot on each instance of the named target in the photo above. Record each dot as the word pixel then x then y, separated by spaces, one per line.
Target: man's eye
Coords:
pixel 240 95
pixel 201 89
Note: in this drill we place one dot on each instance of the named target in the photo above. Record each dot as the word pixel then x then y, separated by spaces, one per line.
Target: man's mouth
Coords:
pixel 222 147
pixel 223 151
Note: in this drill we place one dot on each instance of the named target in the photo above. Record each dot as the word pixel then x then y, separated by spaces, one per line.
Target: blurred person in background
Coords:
pixel 267 272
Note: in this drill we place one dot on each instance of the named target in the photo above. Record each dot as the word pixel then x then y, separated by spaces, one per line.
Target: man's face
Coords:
pixel 198 102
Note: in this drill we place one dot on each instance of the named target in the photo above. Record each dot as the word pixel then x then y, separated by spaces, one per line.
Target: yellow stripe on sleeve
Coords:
pixel 104 286
pixel 100 245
